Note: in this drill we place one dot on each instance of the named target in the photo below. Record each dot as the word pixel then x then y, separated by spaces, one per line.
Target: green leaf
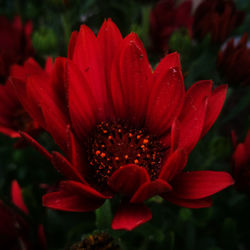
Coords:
pixel 104 216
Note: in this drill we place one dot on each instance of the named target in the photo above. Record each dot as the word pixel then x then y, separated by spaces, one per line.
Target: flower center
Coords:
pixel 114 145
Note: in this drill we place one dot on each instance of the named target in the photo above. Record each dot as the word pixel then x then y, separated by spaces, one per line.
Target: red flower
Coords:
pixel 15 44
pixel 123 128
pixel 241 165
pixel 166 18
pixel 13 117
pixel 217 18
pixel 14 227
pixel 229 58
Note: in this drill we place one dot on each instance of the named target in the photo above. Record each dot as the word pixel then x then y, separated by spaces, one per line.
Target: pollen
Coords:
pixel 113 145
pixel 103 155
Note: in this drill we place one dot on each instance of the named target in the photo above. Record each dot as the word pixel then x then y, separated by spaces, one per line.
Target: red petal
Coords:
pixel 150 189
pixel 165 101
pixel 135 73
pixel 87 56
pixel 175 135
pixel 240 158
pixel 200 184
pixel 54 117
pixel 174 165
pixel 72 44
pixel 193 114
pixel 17 197
pixel 31 104
pixel 49 65
pixel 74 196
pixel 136 176
pixel 170 61
pixel 118 101
pixel 58 86
pixel 199 203
pixel 130 216
pixel 195 96
pixel 31 67
pixel 81 104
pixel 75 154
pixel 191 125
pixel 9 132
pixel 65 168
pixel 77 187
pixel 215 104
pixel 35 144
pixel 110 39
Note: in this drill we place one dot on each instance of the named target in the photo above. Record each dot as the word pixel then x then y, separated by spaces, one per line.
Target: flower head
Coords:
pixel 166 18
pixel 15 44
pixel 217 18
pixel 14 227
pixel 241 165
pixel 229 58
pixel 13 116
pixel 123 128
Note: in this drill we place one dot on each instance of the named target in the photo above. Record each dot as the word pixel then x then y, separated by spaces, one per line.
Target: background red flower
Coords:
pixel 234 61
pixel 13 116
pixel 165 18
pixel 241 165
pixel 15 44
pixel 217 18
pixel 15 229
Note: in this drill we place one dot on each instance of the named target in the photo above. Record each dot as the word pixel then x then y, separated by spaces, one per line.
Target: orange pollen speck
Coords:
pixel 113 145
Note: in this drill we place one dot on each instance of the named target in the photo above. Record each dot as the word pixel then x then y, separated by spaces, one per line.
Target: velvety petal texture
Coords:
pixel 74 196
pixel 167 82
pixel 136 176
pixel 200 184
pixel 129 216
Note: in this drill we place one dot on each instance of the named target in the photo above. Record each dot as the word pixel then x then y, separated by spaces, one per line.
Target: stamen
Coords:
pixel 113 145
